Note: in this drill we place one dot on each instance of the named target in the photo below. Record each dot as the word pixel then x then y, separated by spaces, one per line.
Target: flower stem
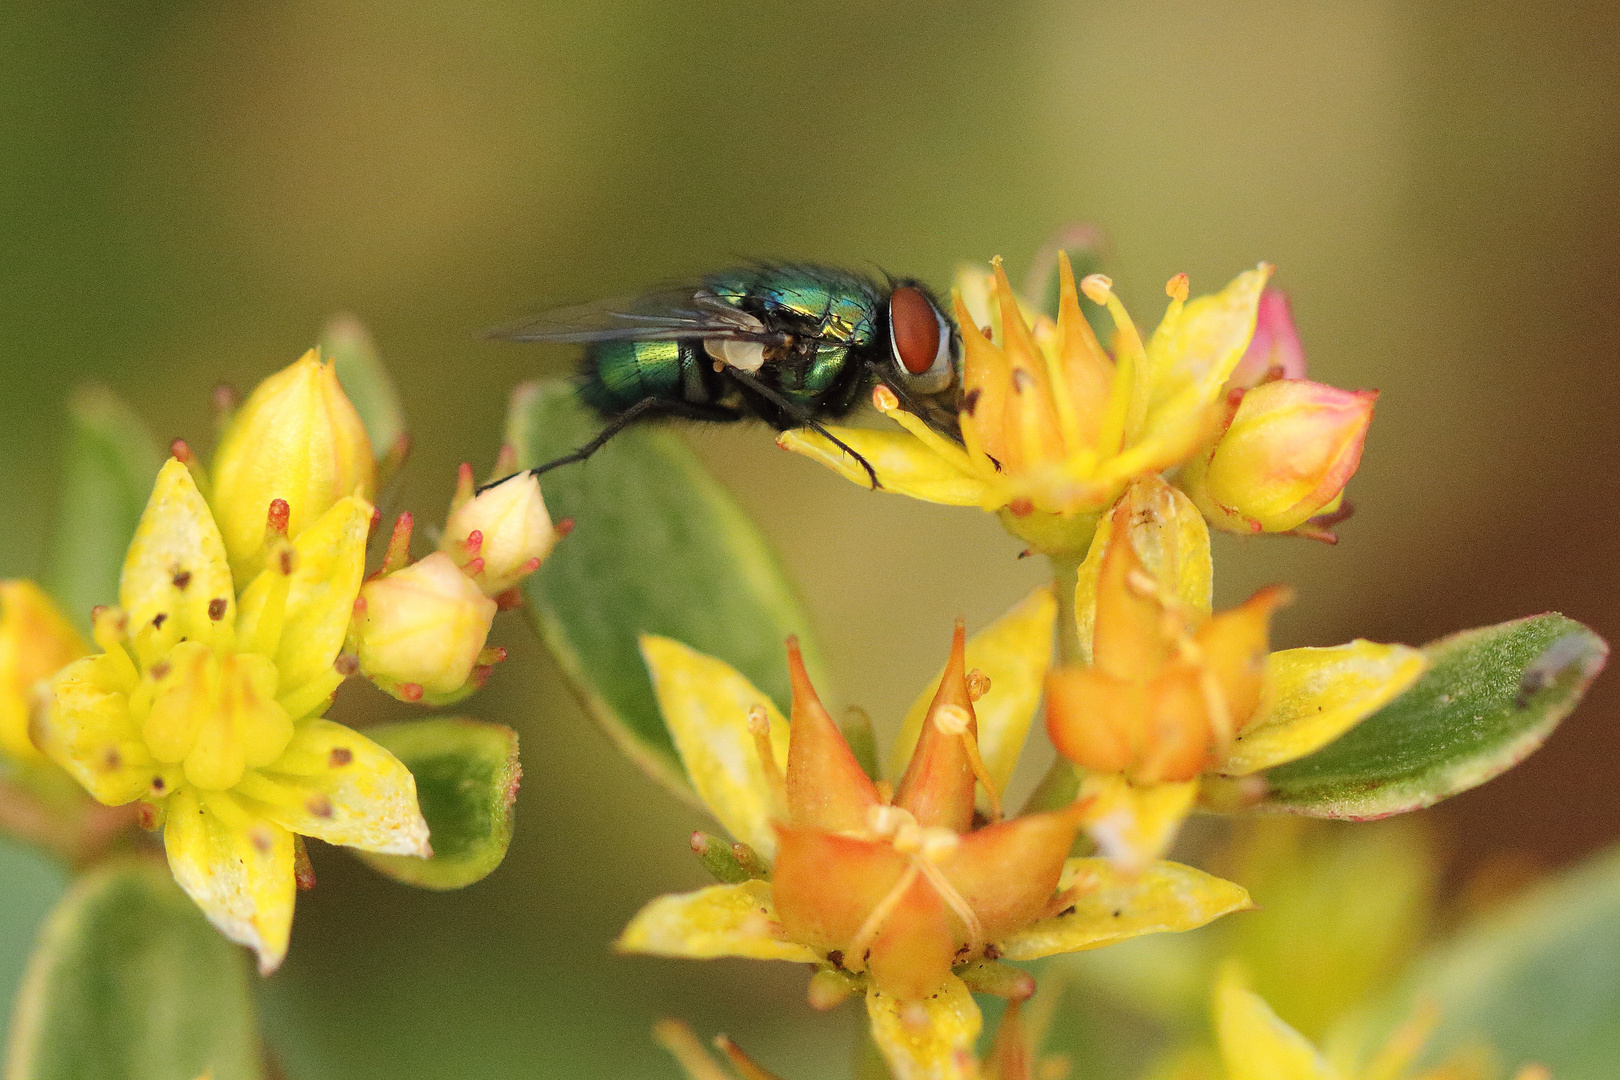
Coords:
pixel 1060 784
pixel 1065 576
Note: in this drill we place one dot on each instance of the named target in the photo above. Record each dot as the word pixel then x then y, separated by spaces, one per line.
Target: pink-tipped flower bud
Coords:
pixel 297 439
pixel 501 536
pixel 422 626
pixel 1290 449
pixel 1274 352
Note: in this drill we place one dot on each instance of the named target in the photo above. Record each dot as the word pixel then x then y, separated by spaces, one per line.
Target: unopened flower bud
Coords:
pixel 1286 457
pixel 423 626
pixel 297 438
pixel 36 641
pixel 501 536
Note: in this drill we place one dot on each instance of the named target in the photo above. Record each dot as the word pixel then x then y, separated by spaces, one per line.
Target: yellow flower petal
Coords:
pixel 931 1039
pixel 176 583
pixel 237 866
pixel 329 563
pixel 1112 906
pixel 1203 345
pixel 1135 825
pixel 1171 541
pixel 89 732
pixel 903 464
pixel 1014 653
pixel 36 641
pixel 722 920
pixel 336 785
pixel 1255 1043
pixel 1313 696
pixel 705 703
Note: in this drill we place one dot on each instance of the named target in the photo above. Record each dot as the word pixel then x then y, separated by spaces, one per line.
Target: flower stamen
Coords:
pixel 759 726
pixel 954 720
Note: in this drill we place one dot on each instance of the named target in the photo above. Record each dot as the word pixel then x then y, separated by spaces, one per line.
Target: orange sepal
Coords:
pixel 937 787
pixel 1235 644
pixel 1095 720
pixel 912 953
pixel 1129 641
pixel 826 786
pixel 824 885
pixel 1008 871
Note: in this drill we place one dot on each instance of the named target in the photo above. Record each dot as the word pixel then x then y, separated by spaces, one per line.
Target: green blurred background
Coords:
pixel 189 189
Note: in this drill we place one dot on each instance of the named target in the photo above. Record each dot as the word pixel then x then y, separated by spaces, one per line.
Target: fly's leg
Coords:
pixel 796 410
pixel 641 410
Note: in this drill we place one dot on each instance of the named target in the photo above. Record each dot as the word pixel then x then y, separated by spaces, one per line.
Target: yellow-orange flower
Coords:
pixel 906 890
pixel 1053 426
pixel 1169 692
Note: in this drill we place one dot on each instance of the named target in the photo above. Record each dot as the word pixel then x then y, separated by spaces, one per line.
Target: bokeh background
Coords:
pixel 189 189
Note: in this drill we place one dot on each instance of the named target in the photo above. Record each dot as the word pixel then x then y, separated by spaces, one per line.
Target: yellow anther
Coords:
pixel 884 820
pixel 1177 288
pixel 938 843
pixel 884 399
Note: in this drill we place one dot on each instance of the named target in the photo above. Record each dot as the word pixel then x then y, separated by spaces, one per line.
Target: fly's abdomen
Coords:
pixel 620 373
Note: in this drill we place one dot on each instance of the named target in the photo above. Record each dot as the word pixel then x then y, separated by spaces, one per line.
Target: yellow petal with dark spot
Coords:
pixel 237 866
pixel 1110 906
pixel 1313 696
pixel 931 1039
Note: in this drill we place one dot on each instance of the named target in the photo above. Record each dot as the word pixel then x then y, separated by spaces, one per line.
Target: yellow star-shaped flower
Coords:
pixel 206 705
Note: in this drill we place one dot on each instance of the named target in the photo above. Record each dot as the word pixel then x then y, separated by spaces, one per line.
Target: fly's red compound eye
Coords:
pixel 914 330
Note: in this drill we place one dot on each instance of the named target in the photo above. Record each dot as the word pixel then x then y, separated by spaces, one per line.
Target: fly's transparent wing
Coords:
pixel 672 314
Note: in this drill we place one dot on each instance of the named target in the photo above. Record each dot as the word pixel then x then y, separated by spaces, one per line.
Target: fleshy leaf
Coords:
pixel 1538 980
pixel 931 1039
pixel 112 461
pixel 1111 906
pixel 721 920
pixel 659 547
pixel 705 703
pixel 366 382
pixel 1489 698
pixel 129 982
pixel 1014 653
pixel 1313 696
pixel 466 782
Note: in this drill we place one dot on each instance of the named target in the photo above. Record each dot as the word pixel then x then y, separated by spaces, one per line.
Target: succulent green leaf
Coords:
pixel 467 775
pixel 367 383
pixel 658 547
pixel 1538 980
pixel 129 982
pixel 112 461
pixel 1490 698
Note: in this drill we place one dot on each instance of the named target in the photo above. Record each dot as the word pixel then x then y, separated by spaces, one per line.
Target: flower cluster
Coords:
pixel 243 605
pixel 1054 426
